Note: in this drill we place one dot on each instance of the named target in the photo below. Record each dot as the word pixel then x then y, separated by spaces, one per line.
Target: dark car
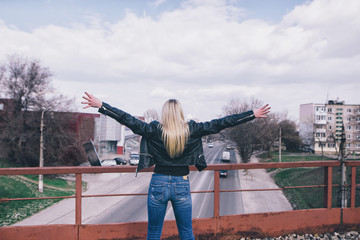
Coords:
pixel 223 173
pixel 120 161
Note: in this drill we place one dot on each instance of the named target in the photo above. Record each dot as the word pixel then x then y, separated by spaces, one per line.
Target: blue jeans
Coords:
pixel 164 188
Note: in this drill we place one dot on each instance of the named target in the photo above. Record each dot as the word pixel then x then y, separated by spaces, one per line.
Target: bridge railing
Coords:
pixel 255 225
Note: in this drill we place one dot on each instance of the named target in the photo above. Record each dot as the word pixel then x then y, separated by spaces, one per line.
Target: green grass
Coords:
pixel 306 198
pixel 293 157
pixel 20 187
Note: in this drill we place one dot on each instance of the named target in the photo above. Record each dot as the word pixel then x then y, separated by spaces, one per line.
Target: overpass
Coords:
pixel 326 219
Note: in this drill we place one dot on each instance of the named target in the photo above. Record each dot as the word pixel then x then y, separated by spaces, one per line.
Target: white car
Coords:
pixel 211 145
pixel 134 160
pixel 108 162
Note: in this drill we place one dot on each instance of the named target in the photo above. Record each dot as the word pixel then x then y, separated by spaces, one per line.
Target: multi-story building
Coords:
pixel 321 126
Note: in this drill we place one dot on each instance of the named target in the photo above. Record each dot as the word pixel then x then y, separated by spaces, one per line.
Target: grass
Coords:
pixel 306 198
pixel 27 187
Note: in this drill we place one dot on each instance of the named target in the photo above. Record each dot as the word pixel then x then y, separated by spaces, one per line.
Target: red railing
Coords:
pixel 272 224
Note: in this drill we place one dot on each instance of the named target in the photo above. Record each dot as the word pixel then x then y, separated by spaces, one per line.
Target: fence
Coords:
pixel 253 225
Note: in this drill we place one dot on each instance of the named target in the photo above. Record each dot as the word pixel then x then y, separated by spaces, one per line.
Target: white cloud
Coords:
pixel 157 3
pixel 203 53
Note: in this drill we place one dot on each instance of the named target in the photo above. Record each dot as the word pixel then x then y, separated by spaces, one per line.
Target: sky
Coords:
pixel 136 54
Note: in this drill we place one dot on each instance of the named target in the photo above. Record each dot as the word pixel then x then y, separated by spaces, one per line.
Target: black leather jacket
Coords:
pixel 152 148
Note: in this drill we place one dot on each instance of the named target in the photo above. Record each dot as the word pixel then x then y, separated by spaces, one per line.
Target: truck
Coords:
pixel 225 156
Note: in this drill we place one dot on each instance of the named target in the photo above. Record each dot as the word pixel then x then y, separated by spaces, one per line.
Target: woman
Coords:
pixel 172 145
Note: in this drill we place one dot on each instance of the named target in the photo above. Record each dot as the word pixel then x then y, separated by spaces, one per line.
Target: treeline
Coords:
pixel 260 134
pixel 27 92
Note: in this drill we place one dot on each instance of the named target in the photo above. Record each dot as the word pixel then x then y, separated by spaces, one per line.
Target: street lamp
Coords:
pixel 41 158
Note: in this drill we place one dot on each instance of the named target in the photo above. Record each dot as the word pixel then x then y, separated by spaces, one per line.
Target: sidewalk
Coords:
pixel 261 201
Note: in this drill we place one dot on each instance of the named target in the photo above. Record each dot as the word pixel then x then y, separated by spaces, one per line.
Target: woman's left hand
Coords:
pixel 261 112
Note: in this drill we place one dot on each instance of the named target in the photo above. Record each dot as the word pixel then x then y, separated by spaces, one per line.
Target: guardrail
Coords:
pixel 254 225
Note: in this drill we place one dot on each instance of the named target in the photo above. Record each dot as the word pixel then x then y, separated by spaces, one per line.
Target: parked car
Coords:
pixel 134 160
pixel 223 173
pixel 211 145
pixel 120 161
pixel 108 162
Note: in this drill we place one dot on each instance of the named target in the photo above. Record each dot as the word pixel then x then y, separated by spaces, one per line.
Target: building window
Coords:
pixel 331 145
pixel 348 145
pixel 348 136
pixel 357 145
pixel 357 127
pixel 330 127
pixel 357 119
pixel 349 110
pixel 320 117
pixel 348 127
pixel 349 119
pixel 1 106
pixel 338 113
pixel 329 118
pixel 339 109
pixel 329 110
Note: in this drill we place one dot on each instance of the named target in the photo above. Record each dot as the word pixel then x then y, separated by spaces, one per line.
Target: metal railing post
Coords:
pixel 78 195
pixel 353 186
pixel 216 200
pixel 328 187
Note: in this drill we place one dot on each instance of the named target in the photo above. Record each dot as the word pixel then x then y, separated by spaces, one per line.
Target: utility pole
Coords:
pixel 343 167
pixel 280 144
pixel 41 158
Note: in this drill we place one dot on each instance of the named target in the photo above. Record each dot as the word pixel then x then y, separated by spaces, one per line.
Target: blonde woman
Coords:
pixel 172 145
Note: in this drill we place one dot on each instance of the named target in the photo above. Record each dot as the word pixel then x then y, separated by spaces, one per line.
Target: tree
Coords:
pixel 254 135
pixel 151 115
pixel 28 85
pixel 290 135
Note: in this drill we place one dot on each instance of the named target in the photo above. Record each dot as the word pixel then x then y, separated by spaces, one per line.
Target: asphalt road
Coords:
pixel 132 209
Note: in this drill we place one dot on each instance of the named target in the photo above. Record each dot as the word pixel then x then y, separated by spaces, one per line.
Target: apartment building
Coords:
pixel 321 125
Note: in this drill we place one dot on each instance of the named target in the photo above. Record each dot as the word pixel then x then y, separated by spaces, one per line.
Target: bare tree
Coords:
pixel 151 115
pixel 28 85
pixel 253 135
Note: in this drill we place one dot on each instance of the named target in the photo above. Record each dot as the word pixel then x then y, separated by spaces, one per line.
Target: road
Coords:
pixel 132 209
pixel 96 210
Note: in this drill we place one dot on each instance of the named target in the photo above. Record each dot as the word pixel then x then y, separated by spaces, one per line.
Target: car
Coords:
pixel 108 162
pixel 211 145
pixel 120 161
pixel 134 160
pixel 223 173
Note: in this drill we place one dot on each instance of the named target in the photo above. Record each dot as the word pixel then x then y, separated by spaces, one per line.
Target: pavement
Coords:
pixel 253 201
pixel 261 201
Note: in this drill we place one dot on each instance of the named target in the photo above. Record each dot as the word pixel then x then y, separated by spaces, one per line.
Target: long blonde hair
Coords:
pixel 175 131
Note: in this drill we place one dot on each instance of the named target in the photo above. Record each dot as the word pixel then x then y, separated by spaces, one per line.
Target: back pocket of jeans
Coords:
pixel 182 191
pixel 157 191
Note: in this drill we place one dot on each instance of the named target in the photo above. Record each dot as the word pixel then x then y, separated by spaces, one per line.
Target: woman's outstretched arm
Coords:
pixel 92 101
pixel 136 125
pixel 262 112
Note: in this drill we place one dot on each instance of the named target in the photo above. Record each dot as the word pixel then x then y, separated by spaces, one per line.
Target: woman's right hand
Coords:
pixel 92 101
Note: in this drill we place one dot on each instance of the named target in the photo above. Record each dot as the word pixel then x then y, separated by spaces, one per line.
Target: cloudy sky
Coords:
pixel 136 54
